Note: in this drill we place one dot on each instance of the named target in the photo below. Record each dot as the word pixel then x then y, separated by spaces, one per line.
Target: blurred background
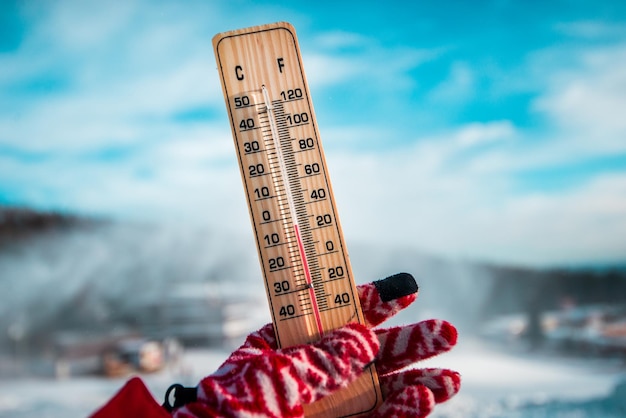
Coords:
pixel 480 147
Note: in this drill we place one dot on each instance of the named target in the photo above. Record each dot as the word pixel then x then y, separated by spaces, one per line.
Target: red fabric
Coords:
pixel 262 381
pixel 132 401
pixel 258 380
pixel 375 310
pixel 269 390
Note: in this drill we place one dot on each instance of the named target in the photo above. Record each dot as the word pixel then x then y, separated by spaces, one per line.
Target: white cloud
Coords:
pixel 581 97
pixel 124 94
pixel 591 100
pixel 480 133
pixel 459 86
pixel 191 178
pixel 327 63
pixel 334 40
pixel 437 197
pixel 79 26
pixel 409 199
pixel 326 70
pixel 584 224
pixel 591 29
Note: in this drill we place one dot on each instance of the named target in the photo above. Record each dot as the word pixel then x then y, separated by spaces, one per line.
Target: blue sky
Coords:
pixel 494 131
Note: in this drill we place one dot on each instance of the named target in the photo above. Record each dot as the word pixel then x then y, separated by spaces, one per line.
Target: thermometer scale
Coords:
pixel 308 278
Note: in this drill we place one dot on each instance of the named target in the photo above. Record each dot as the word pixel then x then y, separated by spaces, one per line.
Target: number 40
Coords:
pixel 342 299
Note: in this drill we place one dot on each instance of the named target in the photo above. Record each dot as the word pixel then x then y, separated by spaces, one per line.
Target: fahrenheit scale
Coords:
pixel 303 257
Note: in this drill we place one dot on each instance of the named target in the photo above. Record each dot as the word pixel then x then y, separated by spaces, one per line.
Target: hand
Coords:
pixel 261 380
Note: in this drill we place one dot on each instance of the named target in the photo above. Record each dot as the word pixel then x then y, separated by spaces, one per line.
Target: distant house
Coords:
pixel 193 314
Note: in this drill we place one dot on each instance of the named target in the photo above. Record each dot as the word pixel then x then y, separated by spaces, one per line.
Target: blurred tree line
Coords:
pixel 18 224
pixel 519 289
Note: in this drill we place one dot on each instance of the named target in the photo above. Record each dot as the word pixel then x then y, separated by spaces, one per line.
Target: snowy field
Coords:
pixel 501 384
pixel 495 384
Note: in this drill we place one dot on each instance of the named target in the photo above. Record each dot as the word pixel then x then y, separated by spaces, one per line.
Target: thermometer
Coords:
pixel 303 256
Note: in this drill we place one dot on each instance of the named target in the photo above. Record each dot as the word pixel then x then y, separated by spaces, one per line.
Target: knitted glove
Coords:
pixel 261 380
pixel 412 392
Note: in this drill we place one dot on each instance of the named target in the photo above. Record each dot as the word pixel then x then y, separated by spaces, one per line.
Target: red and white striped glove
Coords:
pixel 260 380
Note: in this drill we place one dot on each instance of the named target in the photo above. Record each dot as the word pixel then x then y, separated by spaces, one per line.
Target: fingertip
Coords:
pixel 396 286
pixel 416 401
pixel 443 383
pixel 382 299
pixel 451 382
pixel 439 335
pixel 449 333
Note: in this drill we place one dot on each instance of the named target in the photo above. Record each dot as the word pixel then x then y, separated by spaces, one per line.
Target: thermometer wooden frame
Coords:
pixel 307 272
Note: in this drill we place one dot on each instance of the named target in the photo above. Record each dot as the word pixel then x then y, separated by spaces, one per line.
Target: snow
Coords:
pixel 76 397
pixel 496 383
pixel 499 383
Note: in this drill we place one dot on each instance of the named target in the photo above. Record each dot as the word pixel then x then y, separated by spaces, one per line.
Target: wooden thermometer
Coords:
pixel 303 256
